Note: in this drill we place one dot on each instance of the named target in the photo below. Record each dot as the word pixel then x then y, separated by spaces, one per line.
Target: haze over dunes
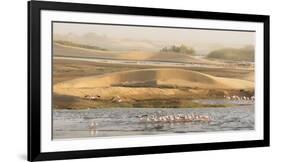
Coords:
pixel 110 43
pixel 124 38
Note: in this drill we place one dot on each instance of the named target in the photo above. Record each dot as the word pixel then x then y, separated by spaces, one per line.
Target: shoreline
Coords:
pixel 184 104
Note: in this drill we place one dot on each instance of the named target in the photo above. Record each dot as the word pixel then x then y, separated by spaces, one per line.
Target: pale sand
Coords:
pixel 102 84
pixel 63 50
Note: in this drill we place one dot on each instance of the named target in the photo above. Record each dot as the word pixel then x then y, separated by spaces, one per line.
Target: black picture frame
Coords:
pixel 34 80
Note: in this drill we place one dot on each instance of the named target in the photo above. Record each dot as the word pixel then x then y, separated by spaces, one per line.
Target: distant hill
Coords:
pixel 70 51
pixel 109 42
pixel 234 54
pixel 72 44
pixel 179 49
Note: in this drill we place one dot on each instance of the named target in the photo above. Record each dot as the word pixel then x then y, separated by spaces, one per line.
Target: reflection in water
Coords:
pixel 126 121
pixel 93 128
pixel 169 126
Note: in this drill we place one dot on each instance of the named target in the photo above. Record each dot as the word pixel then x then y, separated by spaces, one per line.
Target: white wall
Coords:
pixel 13 62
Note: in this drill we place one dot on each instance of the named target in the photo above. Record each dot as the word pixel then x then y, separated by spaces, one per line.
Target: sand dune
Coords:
pixel 153 81
pixel 250 76
pixel 62 50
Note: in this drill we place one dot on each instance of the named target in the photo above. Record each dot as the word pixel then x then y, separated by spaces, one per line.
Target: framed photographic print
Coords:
pixel 116 80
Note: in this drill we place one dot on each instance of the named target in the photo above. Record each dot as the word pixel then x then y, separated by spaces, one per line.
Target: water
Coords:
pixel 125 121
pixel 140 62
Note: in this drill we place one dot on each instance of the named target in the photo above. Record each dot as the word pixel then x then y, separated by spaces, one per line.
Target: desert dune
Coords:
pixel 148 82
pixel 68 51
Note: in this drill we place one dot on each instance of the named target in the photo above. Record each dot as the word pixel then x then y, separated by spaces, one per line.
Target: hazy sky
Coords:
pixel 195 37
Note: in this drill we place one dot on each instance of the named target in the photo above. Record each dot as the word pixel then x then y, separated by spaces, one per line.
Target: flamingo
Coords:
pixel 148 119
pixel 253 98
pixel 93 125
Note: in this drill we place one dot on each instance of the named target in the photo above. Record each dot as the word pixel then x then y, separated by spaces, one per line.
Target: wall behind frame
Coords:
pixel 13 70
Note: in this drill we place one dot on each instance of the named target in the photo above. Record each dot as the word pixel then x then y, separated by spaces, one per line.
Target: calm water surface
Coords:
pixel 125 121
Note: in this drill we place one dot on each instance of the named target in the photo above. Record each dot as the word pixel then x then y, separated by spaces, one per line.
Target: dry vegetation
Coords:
pixel 234 54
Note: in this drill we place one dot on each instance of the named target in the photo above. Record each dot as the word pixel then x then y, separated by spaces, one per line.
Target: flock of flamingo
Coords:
pixel 175 118
pixel 242 98
pixel 163 119
pixel 158 118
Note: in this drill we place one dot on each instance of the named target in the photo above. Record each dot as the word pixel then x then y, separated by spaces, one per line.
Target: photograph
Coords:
pixel 106 80
pixel 129 80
